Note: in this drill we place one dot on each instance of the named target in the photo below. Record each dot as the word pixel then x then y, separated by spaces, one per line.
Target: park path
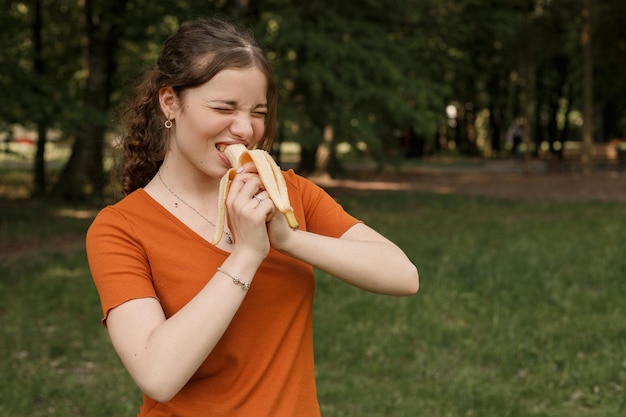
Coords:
pixel 503 179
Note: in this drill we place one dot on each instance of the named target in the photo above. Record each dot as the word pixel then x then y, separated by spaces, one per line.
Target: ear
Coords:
pixel 168 101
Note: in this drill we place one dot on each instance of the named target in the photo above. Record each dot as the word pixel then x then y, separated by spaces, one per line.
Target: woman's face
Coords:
pixel 229 108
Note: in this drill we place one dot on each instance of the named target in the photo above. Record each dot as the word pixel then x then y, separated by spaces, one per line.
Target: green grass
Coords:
pixel 520 313
pixel 57 360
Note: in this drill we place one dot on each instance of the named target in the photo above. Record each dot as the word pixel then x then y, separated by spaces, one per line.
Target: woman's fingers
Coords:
pixel 244 186
pixel 249 208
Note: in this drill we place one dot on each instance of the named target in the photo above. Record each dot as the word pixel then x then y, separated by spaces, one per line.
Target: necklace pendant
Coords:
pixel 229 237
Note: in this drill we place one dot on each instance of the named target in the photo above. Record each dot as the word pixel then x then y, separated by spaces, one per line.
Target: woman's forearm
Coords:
pixel 161 355
pixel 361 257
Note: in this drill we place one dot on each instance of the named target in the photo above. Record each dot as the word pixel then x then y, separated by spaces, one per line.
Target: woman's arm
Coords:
pixel 162 354
pixel 361 257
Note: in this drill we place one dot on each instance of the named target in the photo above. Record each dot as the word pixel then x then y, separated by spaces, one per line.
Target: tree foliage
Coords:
pixel 350 69
pixel 353 71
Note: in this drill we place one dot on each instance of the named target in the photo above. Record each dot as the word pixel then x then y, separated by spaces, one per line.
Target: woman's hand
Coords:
pixel 279 231
pixel 249 209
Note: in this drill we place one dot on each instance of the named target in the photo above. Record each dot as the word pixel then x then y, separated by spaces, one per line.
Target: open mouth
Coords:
pixel 221 148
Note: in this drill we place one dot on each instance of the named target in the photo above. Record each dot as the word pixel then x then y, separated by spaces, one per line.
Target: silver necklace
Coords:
pixel 229 237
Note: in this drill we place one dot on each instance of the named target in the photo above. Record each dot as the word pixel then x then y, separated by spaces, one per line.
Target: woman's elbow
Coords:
pixel 158 389
pixel 159 394
pixel 411 281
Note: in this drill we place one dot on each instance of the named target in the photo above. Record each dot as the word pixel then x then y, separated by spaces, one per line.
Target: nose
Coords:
pixel 241 126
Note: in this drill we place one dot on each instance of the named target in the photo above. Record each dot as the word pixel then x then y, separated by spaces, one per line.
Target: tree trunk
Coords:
pixel 564 135
pixel 39 184
pixel 540 104
pixel 85 167
pixel 495 123
pixel 39 189
pixel 307 159
pixel 585 40
pixel 525 101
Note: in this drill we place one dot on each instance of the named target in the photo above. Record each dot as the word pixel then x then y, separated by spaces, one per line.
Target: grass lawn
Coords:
pixel 520 313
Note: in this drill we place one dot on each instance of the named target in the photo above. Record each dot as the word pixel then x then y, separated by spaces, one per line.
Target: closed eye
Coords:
pixel 222 109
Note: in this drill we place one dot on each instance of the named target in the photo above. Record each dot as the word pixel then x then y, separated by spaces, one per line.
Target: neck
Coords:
pixel 189 182
pixel 197 195
pixel 197 209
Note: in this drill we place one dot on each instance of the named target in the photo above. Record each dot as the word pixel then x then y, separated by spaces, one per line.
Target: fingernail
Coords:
pixel 239 170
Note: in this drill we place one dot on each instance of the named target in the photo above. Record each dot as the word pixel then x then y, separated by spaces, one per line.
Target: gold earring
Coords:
pixel 168 122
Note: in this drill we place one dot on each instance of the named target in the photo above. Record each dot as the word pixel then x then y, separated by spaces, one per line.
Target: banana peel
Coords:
pixel 270 175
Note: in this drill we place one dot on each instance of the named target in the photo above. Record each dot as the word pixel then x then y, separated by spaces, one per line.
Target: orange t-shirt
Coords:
pixel 263 364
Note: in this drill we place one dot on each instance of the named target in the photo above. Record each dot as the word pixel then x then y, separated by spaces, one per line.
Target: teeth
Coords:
pixel 271 177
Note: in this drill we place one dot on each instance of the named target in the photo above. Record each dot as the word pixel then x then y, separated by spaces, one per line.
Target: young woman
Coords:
pixel 224 329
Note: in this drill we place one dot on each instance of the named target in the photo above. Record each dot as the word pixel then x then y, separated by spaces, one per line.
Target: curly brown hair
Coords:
pixel 191 57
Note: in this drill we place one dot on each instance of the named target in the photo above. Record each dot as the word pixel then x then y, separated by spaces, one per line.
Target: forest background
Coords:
pixel 386 80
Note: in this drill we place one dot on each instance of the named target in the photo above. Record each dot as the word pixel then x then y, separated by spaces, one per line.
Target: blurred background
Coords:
pixel 382 81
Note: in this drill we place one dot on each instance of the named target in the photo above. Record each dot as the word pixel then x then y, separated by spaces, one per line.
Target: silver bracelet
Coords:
pixel 235 278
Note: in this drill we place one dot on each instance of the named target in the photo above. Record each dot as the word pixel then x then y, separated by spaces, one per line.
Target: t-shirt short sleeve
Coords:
pixel 323 215
pixel 117 260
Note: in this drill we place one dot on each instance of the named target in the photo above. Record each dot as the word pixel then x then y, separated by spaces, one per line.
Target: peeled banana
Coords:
pixel 271 177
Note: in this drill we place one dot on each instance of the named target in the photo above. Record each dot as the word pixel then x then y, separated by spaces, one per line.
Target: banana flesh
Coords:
pixel 271 177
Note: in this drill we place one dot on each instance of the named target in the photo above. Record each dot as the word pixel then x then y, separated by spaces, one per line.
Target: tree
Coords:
pixel 15 64
pixel 137 28
pixel 347 73
pixel 585 41
pixel 39 49
pixel 39 67
pixel 103 30
pixel 609 54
